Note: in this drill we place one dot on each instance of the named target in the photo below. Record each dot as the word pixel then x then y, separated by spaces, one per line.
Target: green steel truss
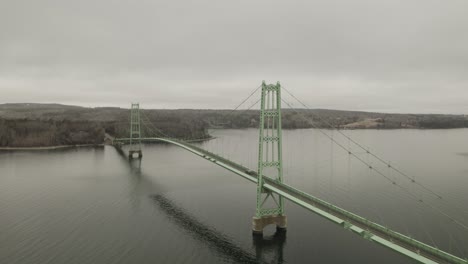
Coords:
pixel 273 188
pixel 135 130
pixel 407 246
pixel 270 150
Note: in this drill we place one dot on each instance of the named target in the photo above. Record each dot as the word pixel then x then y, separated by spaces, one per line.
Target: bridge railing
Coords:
pixel 387 231
pixel 349 217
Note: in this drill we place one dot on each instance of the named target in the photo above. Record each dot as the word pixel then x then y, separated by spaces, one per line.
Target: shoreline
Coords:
pixel 200 140
pixel 49 147
pixel 75 146
pixel 58 147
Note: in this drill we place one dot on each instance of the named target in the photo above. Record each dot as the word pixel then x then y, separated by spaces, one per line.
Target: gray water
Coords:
pixel 90 205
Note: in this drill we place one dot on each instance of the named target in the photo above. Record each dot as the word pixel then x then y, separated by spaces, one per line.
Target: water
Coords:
pixel 91 206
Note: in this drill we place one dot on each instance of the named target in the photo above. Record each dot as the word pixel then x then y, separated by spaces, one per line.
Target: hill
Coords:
pixel 36 125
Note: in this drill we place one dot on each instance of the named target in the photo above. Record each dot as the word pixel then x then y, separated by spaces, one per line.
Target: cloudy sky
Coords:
pixel 375 55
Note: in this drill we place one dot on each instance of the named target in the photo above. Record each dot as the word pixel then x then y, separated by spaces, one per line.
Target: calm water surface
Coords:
pixel 93 206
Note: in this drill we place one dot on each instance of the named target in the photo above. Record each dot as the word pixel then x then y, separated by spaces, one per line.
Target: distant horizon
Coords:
pixel 229 109
pixel 373 56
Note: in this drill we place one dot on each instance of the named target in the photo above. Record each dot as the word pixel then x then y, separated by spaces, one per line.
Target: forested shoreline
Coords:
pixel 42 125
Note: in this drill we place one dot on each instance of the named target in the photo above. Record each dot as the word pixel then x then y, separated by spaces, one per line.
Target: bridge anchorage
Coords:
pixel 270 206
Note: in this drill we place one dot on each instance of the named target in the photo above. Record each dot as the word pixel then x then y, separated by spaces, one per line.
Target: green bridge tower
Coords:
pixel 270 206
pixel 135 131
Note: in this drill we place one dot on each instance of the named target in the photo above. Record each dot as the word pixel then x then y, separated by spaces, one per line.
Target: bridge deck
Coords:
pixel 367 229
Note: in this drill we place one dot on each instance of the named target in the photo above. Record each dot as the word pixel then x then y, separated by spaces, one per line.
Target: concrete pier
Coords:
pixel 258 224
pixel 131 152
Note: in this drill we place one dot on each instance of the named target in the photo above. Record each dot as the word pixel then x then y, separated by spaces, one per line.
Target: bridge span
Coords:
pixel 365 228
pixel 268 178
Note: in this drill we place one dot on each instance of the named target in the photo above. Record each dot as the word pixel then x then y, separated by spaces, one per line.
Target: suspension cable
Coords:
pixel 412 179
pixel 154 127
pixel 457 222
pixel 155 130
pixel 245 100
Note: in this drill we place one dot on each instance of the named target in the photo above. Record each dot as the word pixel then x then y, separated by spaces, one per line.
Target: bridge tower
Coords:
pixel 135 131
pixel 270 207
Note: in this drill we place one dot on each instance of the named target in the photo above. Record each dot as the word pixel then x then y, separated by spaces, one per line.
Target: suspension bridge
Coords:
pixel 272 191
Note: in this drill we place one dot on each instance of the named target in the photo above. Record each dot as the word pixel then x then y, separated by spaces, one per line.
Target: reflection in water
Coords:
pixel 199 231
pixel 220 242
pixel 87 205
pixel 271 245
pixel 120 151
pixel 135 166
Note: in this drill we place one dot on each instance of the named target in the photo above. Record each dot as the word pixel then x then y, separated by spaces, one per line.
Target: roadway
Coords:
pixel 367 229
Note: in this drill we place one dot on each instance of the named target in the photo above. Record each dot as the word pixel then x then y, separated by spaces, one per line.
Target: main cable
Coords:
pixel 245 100
pixel 412 179
pixel 457 222
pixel 154 127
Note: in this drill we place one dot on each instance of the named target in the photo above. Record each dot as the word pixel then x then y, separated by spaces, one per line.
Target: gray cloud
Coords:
pixel 392 56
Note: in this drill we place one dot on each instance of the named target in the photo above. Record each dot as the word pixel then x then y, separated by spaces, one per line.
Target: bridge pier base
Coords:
pixel 132 152
pixel 258 224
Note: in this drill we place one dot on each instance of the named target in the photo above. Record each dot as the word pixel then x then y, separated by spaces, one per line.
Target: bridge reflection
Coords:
pixel 270 246
pixel 222 244
pixel 135 166
pixel 268 249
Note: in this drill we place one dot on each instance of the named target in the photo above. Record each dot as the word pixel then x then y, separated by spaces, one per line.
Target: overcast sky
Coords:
pixel 389 56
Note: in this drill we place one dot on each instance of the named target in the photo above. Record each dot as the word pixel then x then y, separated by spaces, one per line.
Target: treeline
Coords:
pixel 319 118
pixel 34 125
pixel 39 133
pixel 432 122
